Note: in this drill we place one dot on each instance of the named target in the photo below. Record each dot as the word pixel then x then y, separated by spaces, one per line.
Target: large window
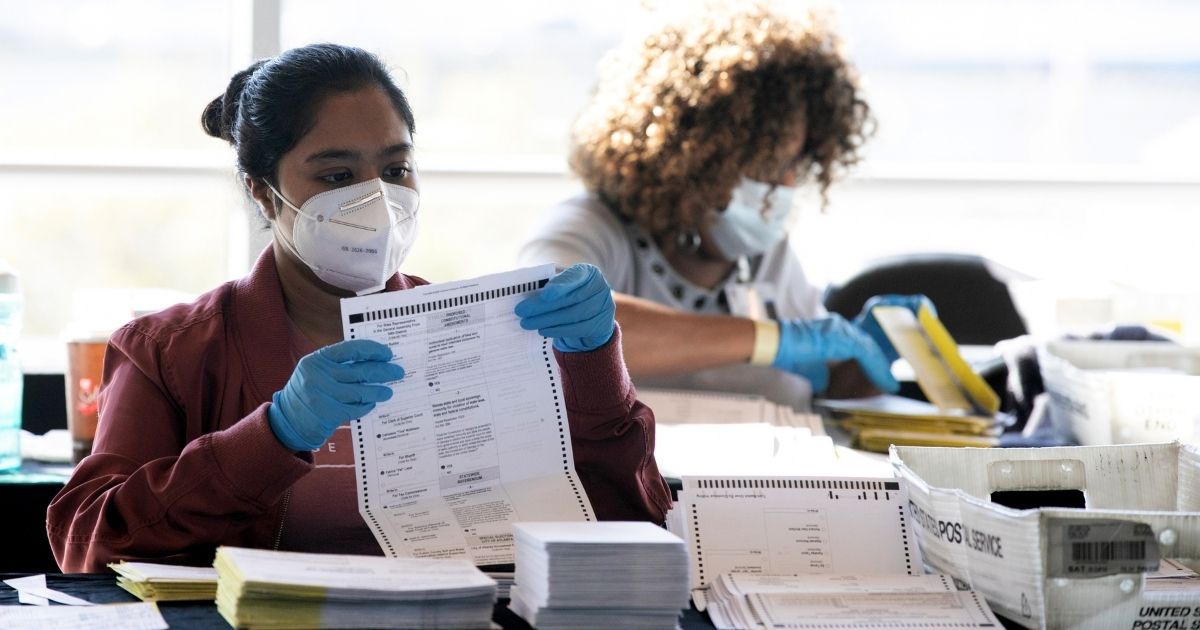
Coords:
pixel 106 179
pixel 1037 84
pixel 1062 83
pixel 494 85
pixel 115 81
pixel 1056 138
pixel 1042 134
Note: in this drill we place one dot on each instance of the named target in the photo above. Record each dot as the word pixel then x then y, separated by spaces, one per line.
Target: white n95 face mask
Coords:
pixel 356 237
pixel 745 228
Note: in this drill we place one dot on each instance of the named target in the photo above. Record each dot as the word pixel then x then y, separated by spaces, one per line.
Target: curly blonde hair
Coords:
pixel 681 115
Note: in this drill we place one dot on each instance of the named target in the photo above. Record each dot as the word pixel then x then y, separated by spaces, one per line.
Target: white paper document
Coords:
pixel 475 437
pixel 882 611
pixel 139 616
pixel 735 600
pixel 33 589
pixel 25 597
pixel 797 526
pixel 21 585
pixel 746 584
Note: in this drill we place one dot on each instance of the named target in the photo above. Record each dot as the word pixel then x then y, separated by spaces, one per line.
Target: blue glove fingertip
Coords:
pixel 571 278
pixel 380 393
pixel 550 292
pixel 884 381
pixel 525 307
pixel 556 288
pixel 880 373
pixel 396 372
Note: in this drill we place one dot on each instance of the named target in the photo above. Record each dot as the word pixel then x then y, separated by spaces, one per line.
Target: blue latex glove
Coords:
pixel 806 346
pixel 329 387
pixel 867 323
pixel 575 309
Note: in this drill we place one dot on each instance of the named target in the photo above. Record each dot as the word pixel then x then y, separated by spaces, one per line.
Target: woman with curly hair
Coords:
pixel 691 151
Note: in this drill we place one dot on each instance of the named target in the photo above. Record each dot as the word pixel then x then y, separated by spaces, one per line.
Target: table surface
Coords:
pixel 34 472
pixel 102 588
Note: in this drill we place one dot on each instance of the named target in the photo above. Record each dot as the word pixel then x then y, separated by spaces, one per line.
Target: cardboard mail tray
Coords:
pixel 1063 567
pixel 1122 392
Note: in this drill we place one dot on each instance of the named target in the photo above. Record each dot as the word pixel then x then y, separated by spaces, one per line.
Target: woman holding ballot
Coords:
pixel 691 151
pixel 226 421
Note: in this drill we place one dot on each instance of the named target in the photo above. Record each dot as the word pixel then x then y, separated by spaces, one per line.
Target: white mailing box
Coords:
pixel 1123 392
pixel 1062 567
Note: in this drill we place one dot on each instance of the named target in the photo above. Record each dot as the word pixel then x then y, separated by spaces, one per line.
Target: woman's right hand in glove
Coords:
pixel 329 387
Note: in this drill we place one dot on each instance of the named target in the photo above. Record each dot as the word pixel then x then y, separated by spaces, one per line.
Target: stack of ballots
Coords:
pixel 593 575
pixel 165 582
pixel 258 588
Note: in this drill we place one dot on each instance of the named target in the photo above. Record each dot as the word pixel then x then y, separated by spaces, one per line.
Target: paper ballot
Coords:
pixel 797 526
pixel 882 611
pixel 738 600
pixel 475 436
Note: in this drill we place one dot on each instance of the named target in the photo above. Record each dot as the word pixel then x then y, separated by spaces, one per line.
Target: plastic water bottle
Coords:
pixel 11 377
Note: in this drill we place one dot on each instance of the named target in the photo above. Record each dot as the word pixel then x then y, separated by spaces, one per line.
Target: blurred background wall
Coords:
pixel 1058 138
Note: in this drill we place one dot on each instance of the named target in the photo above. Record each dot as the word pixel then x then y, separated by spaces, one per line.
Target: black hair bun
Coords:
pixel 220 115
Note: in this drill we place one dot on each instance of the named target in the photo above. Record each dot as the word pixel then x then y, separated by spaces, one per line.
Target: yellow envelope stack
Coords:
pixel 962 408
pixel 165 582
pixel 258 588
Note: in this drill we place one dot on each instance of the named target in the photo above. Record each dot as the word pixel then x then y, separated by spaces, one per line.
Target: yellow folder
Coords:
pixel 947 379
pixel 964 406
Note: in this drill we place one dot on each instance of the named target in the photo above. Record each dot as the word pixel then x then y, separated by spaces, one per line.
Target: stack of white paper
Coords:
pixel 275 589
pixel 592 575
pixel 504 581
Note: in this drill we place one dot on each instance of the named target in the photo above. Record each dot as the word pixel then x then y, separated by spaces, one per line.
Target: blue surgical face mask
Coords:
pixel 754 220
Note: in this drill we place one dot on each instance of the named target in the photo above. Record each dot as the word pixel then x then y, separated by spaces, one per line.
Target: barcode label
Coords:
pixel 1078 547
pixel 1108 551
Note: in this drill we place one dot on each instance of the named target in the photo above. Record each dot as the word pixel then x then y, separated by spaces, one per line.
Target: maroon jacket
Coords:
pixel 184 459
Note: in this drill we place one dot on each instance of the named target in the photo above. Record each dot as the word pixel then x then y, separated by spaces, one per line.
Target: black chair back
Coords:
pixel 973 304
